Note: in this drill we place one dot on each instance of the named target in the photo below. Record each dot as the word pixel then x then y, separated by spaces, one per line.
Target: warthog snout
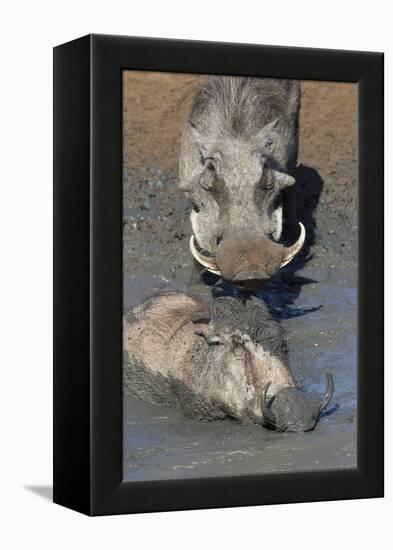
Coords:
pixel 290 411
pixel 245 257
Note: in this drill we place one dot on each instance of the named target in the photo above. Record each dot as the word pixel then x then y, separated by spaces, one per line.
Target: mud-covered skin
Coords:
pixel 213 361
pixel 291 412
pixel 238 150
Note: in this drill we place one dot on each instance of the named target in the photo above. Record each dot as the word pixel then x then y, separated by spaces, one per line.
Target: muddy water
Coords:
pixel 316 302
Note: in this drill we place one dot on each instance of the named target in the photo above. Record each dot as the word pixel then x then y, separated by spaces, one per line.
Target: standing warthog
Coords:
pixel 223 360
pixel 238 151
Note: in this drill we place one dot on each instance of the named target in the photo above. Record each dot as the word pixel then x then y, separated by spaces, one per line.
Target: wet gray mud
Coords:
pixel 315 299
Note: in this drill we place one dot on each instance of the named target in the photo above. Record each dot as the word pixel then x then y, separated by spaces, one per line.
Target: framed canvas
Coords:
pixel 218 327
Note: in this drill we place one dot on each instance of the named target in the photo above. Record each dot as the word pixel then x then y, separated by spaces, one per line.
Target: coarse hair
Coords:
pixel 241 106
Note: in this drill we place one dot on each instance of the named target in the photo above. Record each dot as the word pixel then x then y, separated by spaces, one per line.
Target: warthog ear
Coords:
pixel 199 139
pixel 266 137
pixel 192 164
pixel 178 315
pixel 205 144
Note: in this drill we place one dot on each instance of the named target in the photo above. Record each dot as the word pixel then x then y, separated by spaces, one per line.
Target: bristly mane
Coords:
pixel 251 317
pixel 239 106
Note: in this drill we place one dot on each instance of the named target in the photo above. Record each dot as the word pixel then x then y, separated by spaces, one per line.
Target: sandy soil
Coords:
pixel 314 297
pixel 154 117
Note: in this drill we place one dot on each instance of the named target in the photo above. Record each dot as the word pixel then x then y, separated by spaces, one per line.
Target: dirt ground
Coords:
pixel 154 116
pixel 315 297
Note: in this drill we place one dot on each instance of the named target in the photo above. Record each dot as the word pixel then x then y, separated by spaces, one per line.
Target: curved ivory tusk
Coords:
pixel 267 414
pixel 265 403
pixel 328 393
pixel 208 263
pixel 291 251
pixel 211 265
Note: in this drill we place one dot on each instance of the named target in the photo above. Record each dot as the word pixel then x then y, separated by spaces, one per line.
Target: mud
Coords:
pixel 314 298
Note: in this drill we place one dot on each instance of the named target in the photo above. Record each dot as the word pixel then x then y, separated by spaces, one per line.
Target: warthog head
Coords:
pixel 238 149
pixel 245 333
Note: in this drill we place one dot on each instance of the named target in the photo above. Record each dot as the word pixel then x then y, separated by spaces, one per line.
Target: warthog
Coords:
pixel 223 360
pixel 238 153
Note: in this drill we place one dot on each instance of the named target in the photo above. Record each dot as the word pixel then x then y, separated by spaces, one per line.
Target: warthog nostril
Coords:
pixel 218 240
pixel 251 274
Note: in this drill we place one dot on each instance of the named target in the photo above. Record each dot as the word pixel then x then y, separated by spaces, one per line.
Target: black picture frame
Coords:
pixel 88 274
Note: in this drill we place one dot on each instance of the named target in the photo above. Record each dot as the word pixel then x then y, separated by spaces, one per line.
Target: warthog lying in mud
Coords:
pixel 223 360
pixel 238 151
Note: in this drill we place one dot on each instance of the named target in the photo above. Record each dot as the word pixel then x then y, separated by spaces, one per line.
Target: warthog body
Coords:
pixel 223 360
pixel 238 151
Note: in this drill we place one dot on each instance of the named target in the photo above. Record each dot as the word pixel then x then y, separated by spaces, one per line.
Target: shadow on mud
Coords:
pixel 281 292
pixel 330 411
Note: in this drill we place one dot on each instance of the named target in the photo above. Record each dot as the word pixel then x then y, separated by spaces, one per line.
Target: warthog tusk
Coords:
pixel 209 263
pixel 267 414
pixel 265 402
pixel 328 393
pixel 291 251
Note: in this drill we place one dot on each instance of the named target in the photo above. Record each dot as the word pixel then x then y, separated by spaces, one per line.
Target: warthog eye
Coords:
pixel 210 166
